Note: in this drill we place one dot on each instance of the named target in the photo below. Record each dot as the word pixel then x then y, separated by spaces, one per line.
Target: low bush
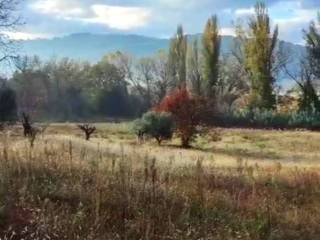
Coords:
pixel 158 125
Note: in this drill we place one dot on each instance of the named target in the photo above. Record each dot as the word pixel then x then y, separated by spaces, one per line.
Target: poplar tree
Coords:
pixel 177 59
pixel 260 57
pixel 193 69
pixel 211 42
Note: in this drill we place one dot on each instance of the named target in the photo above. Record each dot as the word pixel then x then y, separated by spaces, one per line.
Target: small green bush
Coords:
pixel 139 128
pixel 158 125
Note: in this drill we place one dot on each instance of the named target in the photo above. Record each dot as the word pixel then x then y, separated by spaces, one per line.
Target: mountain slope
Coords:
pixel 92 47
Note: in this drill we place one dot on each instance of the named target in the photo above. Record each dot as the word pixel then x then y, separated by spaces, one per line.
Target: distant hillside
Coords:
pixel 92 47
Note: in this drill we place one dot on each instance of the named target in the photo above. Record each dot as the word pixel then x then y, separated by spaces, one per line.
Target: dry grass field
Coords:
pixel 233 184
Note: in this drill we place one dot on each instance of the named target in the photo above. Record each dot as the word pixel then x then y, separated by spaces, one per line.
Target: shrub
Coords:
pixel 139 128
pixel 158 125
pixel 188 113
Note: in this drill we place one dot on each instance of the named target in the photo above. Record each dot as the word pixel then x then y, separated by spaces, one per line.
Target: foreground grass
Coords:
pixel 68 189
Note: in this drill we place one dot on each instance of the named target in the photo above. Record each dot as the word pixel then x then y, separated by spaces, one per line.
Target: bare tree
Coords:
pixel 152 78
pixel 125 64
pixel 231 84
pixel 145 78
pixel 26 124
pixel 149 77
pixel 162 75
pixel 87 129
pixel 9 20
pixel 303 77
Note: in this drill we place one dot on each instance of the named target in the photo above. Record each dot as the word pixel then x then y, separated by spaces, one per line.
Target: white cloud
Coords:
pixel 291 18
pixel 244 11
pixel 67 16
pixel 61 8
pixel 228 31
pixel 24 35
pixel 121 18
pixel 116 17
pixel 179 4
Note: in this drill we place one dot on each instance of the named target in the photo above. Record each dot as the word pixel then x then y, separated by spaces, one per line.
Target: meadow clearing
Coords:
pixel 232 184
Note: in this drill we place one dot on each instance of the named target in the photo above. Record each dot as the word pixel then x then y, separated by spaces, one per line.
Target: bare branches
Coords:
pixel 9 20
pixel 87 129
pixel 8 15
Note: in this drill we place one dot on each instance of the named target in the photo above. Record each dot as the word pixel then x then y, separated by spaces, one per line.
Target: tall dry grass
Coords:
pixel 66 191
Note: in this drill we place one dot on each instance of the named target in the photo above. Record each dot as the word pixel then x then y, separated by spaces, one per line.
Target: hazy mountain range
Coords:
pixel 92 47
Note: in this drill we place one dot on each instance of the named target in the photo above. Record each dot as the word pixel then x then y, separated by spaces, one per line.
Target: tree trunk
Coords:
pixel 159 140
pixel 185 142
pixel 88 136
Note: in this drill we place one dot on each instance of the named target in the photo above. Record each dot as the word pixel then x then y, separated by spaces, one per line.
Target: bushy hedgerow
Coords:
pixel 270 119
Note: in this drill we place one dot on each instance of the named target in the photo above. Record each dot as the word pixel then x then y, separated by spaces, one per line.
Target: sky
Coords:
pixel 156 18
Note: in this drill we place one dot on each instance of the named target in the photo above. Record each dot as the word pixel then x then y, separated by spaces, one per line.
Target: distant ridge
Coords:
pixel 92 47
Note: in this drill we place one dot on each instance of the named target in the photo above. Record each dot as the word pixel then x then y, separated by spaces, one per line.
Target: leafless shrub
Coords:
pixel 87 129
pixel 29 130
pixel 26 124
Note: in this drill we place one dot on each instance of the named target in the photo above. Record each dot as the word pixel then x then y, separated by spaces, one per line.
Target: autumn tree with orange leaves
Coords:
pixel 188 112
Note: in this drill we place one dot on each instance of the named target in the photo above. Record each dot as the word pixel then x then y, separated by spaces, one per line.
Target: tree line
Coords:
pixel 122 86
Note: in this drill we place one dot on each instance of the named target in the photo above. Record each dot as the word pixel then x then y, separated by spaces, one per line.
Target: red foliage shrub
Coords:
pixel 188 113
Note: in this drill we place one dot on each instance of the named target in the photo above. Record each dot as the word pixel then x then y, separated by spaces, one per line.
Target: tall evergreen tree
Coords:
pixel 260 57
pixel 177 59
pixel 211 50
